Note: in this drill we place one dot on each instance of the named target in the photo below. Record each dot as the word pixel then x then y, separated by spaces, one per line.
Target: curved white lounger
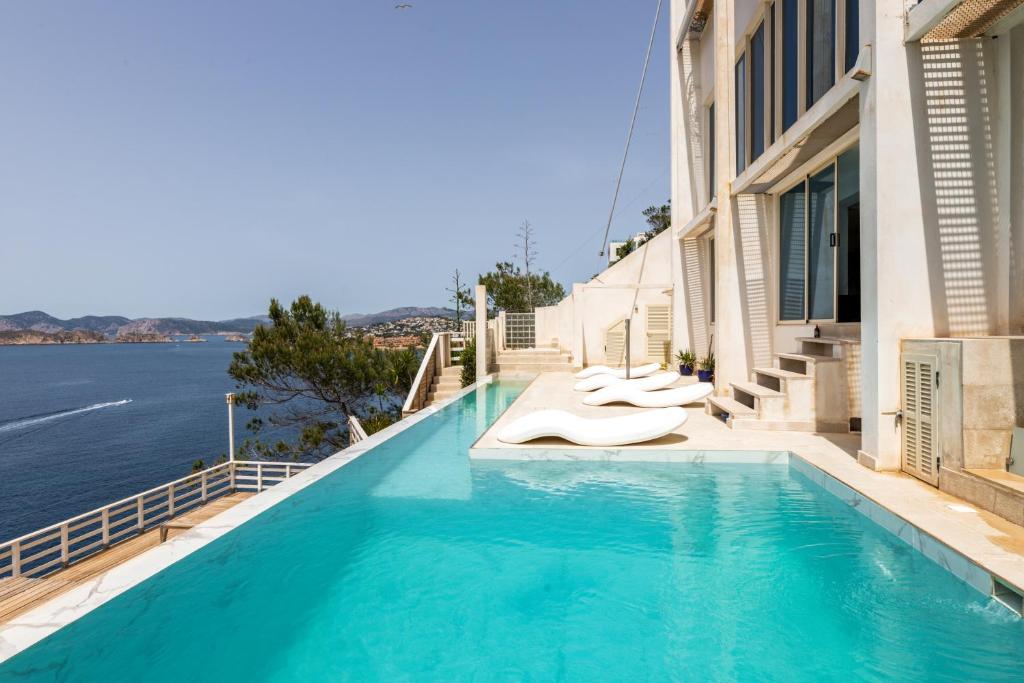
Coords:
pixel 649 383
pixel 604 431
pixel 638 371
pixel 650 399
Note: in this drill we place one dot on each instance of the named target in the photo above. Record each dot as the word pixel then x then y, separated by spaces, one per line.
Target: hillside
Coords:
pixel 114 325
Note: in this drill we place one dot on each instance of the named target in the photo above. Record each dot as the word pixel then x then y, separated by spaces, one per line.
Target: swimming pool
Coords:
pixel 411 564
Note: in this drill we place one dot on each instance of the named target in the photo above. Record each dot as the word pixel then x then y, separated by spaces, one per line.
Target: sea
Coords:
pixel 85 425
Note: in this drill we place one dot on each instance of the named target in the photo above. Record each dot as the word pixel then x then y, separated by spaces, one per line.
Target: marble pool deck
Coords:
pixel 972 543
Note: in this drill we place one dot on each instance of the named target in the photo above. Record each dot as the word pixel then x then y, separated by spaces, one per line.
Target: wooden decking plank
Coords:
pixel 20 594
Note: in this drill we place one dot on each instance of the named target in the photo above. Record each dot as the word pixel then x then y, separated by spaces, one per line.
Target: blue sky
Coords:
pixel 198 158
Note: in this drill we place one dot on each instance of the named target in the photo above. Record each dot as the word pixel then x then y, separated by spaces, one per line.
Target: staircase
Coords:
pixel 807 391
pixel 445 384
pixel 543 359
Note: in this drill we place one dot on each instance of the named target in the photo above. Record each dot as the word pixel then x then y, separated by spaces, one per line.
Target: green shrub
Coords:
pixel 468 360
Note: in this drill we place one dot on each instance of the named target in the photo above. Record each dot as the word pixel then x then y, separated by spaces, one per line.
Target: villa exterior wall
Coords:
pixel 940 135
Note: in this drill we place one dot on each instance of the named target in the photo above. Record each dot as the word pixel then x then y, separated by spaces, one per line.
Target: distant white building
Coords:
pixel 613 247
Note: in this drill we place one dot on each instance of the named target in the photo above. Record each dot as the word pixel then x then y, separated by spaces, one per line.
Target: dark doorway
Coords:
pixel 848 238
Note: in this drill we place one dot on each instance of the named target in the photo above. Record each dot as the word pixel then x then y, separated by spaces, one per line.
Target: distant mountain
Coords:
pixel 111 325
pixel 367 319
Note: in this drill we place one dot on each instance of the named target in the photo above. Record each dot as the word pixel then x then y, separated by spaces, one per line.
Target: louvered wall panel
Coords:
pixel 659 332
pixel 615 344
pixel 920 451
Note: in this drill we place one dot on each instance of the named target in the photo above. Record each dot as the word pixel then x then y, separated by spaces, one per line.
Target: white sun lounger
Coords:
pixel 650 399
pixel 604 431
pixel 638 371
pixel 649 383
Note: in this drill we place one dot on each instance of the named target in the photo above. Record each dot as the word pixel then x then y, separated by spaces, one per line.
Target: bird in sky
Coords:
pixel 404 5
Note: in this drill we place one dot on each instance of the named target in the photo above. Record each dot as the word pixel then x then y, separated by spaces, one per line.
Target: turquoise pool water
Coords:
pixel 411 564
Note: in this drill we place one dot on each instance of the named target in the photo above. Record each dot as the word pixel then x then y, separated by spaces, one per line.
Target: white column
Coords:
pixel 896 291
pixel 230 398
pixel 730 335
pixel 481 331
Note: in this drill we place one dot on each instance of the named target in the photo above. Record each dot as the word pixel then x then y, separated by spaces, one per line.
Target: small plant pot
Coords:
pixel 705 375
pixel 685 370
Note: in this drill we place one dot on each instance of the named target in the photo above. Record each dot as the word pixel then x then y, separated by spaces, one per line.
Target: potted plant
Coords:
pixel 706 368
pixel 686 362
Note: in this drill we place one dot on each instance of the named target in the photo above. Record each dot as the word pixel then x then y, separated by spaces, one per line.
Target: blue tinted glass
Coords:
pixel 791 254
pixel 711 151
pixel 789 62
pixel 741 118
pixel 821 48
pixel 757 93
pixel 852 33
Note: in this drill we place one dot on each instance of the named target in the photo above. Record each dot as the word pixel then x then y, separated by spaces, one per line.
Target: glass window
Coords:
pixel 711 276
pixel 712 181
pixel 741 115
pixel 791 254
pixel 757 92
pixel 821 48
pixel 771 73
pixel 852 33
pixel 821 206
pixel 790 72
pixel 848 236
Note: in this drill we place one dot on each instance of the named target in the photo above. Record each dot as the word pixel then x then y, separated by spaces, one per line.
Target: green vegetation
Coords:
pixel 510 289
pixel 312 372
pixel 686 358
pixel 467 357
pixel 659 218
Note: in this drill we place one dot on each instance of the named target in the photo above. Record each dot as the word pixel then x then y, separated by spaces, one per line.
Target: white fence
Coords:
pixel 47 550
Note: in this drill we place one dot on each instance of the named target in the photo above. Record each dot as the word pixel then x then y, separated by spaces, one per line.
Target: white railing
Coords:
pixel 437 357
pixel 468 329
pixel 52 548
pixel 356 433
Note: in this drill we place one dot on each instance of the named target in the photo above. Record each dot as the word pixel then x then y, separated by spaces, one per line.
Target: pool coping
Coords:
pixel 29 628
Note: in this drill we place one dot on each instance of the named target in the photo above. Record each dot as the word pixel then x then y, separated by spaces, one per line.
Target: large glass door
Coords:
pixel 848 236
pixel 819 245
pixel 821 239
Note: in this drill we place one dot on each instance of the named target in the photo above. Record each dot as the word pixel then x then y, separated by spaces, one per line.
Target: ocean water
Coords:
pixel 411 563
pixel 82 426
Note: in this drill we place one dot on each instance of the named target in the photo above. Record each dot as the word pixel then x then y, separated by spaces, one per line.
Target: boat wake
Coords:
pixel 34 420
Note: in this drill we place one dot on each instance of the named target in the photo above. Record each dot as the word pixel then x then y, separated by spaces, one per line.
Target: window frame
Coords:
pixel 805 175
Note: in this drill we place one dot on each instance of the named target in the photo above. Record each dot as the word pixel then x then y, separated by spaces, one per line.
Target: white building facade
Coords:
pixel 851 168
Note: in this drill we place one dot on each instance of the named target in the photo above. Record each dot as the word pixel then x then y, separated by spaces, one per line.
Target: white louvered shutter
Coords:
pixel 659 332
pixel 920 450
pixel 615 344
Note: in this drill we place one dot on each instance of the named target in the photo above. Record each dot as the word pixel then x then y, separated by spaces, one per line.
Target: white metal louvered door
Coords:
pixel 918 386
pixel 615 344
pixel 659 332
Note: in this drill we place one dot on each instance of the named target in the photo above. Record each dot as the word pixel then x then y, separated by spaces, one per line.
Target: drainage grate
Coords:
pixel 1008 595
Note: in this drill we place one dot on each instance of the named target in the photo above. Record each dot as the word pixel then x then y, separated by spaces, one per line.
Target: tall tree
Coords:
pixel 306 373
pixel 526 247
pixel 460 296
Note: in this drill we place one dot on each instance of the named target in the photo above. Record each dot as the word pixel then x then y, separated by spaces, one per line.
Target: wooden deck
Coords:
pixel 18 595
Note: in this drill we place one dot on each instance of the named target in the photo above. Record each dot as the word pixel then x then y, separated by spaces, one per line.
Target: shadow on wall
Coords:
pixel 751 212
pixel 952 94
pixel 692 128
pixel 694 286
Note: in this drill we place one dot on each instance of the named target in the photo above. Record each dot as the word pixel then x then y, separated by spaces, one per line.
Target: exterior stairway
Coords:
pixel 806 391
pixel 445 384
pixel 545 359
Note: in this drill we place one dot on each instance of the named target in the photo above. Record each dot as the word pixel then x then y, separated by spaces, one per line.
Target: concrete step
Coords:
pixel 534 367
pixel 519 357
pixel 452 371
pixel 748 424
pixel 768 403
pixel 802 363
pixel 784 381
pixel 720 405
